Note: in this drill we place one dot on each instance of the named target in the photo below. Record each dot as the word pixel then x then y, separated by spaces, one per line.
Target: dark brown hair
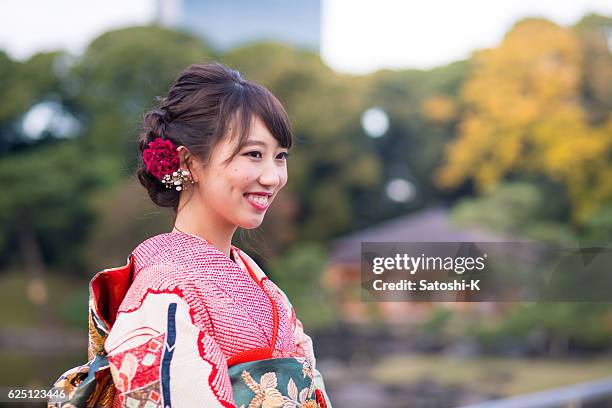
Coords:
pixel 198 112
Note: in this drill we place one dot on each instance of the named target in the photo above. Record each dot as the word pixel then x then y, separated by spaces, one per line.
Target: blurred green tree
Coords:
pixel 521 209
pixel 42 211
pixel 424 108
pixel 298 273
pixel 35 80
pixel 553 328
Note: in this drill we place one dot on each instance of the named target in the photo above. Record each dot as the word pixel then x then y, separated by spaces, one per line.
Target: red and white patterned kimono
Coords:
pixel 189 313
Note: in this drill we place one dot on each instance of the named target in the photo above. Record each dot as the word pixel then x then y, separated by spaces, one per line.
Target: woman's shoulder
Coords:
pixel 176 250
pixel 155 250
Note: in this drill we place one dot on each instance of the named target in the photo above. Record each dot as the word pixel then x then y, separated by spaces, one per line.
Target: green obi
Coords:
pixel 275 382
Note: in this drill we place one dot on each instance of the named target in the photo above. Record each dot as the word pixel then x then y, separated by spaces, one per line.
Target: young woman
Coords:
pixel 191 320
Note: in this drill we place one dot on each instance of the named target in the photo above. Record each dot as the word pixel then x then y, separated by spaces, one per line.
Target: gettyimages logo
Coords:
pixel 413 264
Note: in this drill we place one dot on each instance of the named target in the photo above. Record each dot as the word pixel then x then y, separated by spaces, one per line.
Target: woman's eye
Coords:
pixel 283 156
pixel 254 154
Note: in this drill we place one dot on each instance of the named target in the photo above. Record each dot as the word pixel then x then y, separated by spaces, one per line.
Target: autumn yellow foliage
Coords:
pixel 524 115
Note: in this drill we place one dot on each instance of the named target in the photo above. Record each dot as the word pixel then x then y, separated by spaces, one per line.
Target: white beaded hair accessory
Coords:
pixel 178 179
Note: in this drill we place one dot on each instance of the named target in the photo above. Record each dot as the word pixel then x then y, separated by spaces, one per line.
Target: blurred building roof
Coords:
pixel 428 225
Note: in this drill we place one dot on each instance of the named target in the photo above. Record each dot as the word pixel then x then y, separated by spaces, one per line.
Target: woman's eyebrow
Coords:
pixel 255 143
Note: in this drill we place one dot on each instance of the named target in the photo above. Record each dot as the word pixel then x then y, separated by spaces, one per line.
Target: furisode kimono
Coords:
pixel 183 325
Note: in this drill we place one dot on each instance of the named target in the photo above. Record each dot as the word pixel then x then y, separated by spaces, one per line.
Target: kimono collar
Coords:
pixel 109 286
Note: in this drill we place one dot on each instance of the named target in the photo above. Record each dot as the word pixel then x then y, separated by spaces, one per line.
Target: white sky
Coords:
pixel 357 36
pixel 29 26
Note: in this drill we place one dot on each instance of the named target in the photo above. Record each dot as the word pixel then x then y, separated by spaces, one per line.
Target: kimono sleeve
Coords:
pixel 159 358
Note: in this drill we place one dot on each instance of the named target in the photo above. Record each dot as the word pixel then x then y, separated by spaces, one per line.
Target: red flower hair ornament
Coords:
pixel 163 162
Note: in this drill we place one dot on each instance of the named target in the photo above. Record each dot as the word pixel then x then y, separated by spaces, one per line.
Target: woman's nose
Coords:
pixel 270 174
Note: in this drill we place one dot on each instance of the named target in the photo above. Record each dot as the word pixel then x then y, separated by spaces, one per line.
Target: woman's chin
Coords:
pixel 251 223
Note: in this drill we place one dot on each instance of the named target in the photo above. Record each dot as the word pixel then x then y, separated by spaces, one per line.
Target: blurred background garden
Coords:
pixel 513 141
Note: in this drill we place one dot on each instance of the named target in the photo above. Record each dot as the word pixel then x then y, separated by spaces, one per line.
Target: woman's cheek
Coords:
pixel 284 176
pixel 246 180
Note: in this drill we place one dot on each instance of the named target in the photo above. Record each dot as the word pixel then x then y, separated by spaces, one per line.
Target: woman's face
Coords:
pixel 239 192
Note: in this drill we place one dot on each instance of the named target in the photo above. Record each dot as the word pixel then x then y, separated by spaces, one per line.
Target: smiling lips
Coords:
pixel 260 201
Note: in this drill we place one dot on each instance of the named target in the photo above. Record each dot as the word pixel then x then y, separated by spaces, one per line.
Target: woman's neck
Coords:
pixel 193 218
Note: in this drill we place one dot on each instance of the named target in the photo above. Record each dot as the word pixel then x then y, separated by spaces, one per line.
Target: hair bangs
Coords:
pixel 246 102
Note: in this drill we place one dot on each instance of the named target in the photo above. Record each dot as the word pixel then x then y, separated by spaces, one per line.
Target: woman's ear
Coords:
pixel 188 162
